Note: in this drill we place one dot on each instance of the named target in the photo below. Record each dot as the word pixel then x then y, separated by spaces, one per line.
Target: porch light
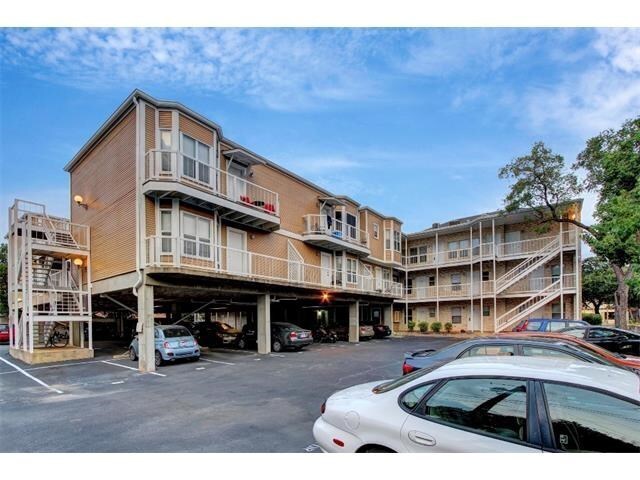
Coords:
pixel 325 297
pixel 77 262
pixel 80 201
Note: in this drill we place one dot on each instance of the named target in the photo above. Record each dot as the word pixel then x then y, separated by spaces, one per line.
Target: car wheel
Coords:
pixel 132 354
pixel 376 450
pixel 158 359
pixel 276 346
pixel 242 344
pixel 195 359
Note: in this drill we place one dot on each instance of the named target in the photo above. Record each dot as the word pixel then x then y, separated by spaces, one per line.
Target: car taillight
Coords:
pixel 323 407
pixel 195 342
pixel 166 345
pixel 406 368
pixel 293 335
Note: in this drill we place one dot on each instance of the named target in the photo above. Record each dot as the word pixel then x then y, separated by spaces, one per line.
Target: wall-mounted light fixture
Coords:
pixel 80 201
pixel 78 262
pixel 325 297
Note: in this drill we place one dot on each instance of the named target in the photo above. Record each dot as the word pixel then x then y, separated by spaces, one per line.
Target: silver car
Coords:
pixel 171 343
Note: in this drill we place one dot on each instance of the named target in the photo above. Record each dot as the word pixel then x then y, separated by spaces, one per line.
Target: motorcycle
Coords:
pixel 322 335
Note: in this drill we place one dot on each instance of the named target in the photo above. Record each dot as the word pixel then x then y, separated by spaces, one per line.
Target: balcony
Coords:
pixel 503 251
pixel 192 254
pixel 327 232
pixel 525 287
pixel 172 174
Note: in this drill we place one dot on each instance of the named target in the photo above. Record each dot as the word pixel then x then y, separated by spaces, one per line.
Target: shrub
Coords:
pixel 592 318
pixel 411 325
pixel 447 327
pixel 436 327
pixel 424 327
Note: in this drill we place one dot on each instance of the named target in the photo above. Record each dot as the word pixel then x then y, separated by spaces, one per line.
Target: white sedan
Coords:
pixel 488 404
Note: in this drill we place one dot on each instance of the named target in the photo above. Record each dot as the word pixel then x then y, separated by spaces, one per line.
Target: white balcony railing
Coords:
pixel 486 250
pixel 174 166
pixel 181 252
pixel 327 225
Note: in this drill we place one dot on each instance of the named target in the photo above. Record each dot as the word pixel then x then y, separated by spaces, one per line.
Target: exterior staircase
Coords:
pixel 528 306
pixel 527 266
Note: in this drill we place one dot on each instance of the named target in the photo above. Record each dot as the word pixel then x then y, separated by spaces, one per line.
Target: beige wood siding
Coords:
pixel 164 119
pixel 149 128
pixel 376 245
pixel 106 179
pixel 296 198
pixel 196 130
pixel 150 215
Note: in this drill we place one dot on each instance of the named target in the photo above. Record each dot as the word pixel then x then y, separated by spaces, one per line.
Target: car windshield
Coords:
pixel 4 328
pixel 287 326
pixel 398 382
pixel 175 332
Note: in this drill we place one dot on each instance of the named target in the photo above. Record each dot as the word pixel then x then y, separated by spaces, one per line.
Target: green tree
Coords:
pixel 4 303
pixel 598 282
pixel 611 162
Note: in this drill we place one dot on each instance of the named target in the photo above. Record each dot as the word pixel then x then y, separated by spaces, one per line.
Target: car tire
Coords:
pixel 276 346
pixel 376 450
pixel 132 354
pixel 158 359
pixel 242 344
pixel 195 359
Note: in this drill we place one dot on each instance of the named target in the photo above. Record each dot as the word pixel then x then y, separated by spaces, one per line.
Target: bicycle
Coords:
pixel 59 337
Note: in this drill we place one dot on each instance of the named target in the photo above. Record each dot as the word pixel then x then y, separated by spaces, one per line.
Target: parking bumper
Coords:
pixel 324 434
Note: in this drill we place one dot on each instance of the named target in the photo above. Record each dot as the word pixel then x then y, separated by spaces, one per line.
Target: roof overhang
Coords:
pixel 245 157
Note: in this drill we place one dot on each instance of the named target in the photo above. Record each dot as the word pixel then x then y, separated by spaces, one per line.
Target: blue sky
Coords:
pixel 414 123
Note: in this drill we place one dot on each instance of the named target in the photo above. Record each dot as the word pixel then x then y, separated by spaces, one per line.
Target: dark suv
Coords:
pixel 547 324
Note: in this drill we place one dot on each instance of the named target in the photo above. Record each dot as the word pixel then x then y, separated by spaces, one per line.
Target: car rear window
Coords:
pixel 398 382
pixel 534 326
pixel 176 332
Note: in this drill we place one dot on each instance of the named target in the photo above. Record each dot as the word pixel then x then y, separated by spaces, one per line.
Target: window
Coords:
pixel 555 326
pixel 575 332
pixel 555 310
pixel 529 351
pixel 453 249
pixel 464 248
pixel 456 314
pixel 352 230
pixel 485 276
pixel 376 231
pixel 409 285
pixel 456 279
pixel 352 270
pixel 165 145
pixel 432 281
pixel 387 238
pixel 586 421
pixel 432 312
pixel 166 231
pixel 555 273
pixel 601 333
pixel 533 326
pixel 412 398
pixel 196 232
pixel 486 310
pixel 195 159
pixel 409 314
pixel 413 255
pixel 485 405
pixel 396 241
pixel 338 269
pixel 491 350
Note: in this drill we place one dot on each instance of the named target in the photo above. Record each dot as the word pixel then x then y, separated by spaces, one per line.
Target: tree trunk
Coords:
pixel 621 298
pixel 596 308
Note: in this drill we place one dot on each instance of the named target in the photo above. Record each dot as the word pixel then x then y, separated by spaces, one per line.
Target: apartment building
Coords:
pixel 172 220
pixel 186 222
pixel 487 272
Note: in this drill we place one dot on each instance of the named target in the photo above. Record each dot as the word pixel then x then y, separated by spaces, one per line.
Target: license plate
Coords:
pixel 303 335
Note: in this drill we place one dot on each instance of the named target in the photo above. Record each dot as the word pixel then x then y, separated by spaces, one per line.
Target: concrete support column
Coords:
pixel 145 329
pixel 264 323
pixel 387 313
pixel 354 322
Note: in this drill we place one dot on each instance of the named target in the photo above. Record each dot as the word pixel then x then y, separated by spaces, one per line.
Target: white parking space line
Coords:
pixel 117 383
pixel 200 368
pixel 131 368
pixel 276 355
pixel 215 361
pixel 37 380
pixel 54 366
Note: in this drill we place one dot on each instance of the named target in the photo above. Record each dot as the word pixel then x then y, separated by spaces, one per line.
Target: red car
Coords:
pixel 4 333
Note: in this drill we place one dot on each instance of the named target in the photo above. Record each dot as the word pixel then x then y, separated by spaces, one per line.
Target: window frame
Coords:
pixel 376 231
pixel 534 432
pixel 197 239
pixel 452 315
pixel 197 161
pixel 549 443
pixel 397 241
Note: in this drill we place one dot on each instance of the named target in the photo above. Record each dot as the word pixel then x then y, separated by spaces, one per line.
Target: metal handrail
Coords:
pixel 325 224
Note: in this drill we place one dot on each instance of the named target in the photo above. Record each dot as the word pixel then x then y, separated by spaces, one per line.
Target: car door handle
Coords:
pixel 422 438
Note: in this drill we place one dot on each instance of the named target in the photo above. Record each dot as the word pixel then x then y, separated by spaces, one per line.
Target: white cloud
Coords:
pixel 282 69
pixel 600 96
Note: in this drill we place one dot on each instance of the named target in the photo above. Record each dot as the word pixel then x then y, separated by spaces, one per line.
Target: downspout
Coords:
pixel 138 270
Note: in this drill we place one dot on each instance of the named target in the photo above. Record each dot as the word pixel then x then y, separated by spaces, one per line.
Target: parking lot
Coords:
pixel 229 401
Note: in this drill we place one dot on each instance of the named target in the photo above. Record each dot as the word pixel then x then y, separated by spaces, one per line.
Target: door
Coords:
pixel 326 264
pixel 378 271
pixel 421 287
pixel 237 255
pixel 476 319
pixel 236 186
pixel 476 283
pixel 480 415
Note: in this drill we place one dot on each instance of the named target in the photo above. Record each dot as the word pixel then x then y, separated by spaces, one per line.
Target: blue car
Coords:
pixel 172 342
